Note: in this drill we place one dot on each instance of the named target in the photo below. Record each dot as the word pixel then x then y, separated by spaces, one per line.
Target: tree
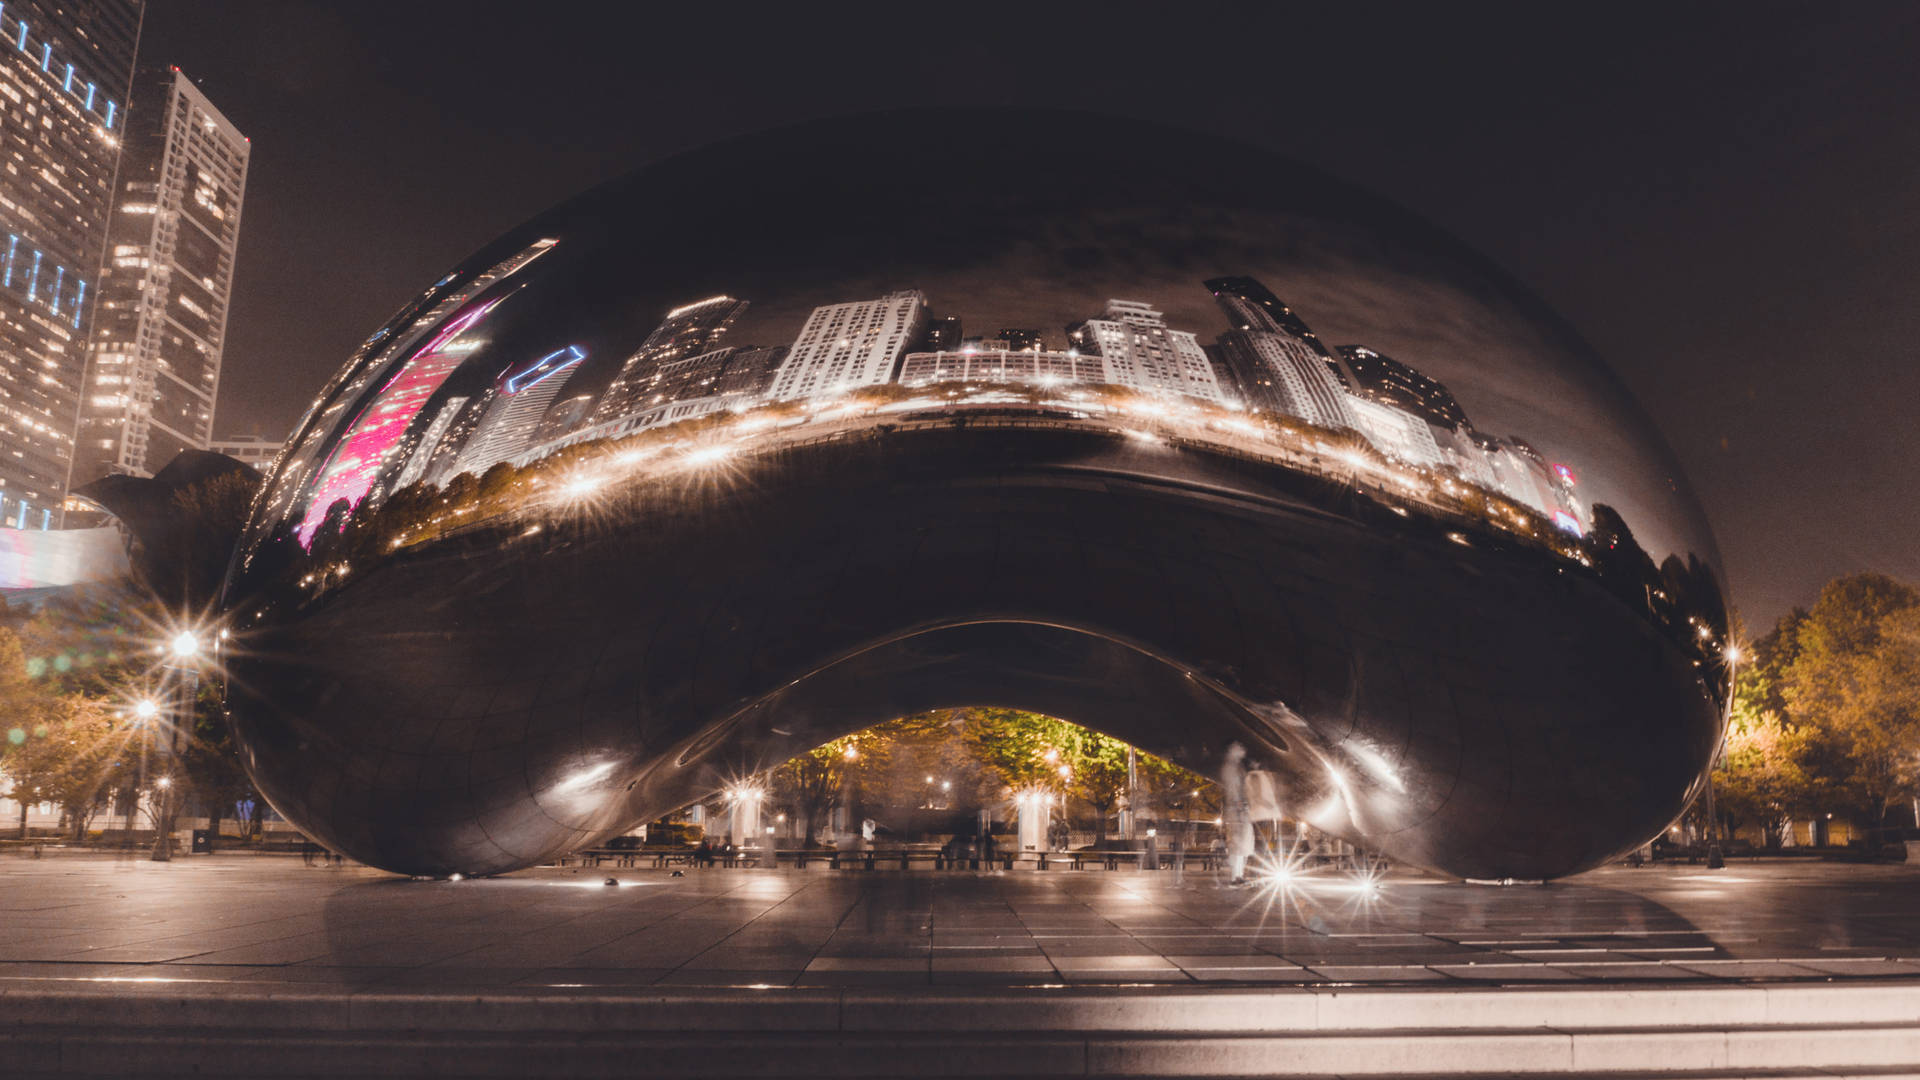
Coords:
pixel 1030 750
pixel 1764 775
pixel 25 710
pixel 812 783
pixel 76 759
pixel 1855 678
pixel 211 763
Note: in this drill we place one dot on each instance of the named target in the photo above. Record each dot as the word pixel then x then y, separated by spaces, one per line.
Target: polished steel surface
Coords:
pixel 783 438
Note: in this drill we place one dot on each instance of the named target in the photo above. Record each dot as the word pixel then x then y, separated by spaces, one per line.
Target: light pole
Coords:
pixel 183 656
pixel 145 711
pixel 1715 858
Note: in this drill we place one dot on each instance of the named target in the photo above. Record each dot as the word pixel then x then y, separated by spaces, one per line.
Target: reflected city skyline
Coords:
pixel 1266 383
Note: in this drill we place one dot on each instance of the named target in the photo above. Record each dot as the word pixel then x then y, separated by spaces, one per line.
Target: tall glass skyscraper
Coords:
pixel 162 316
pixel 65 68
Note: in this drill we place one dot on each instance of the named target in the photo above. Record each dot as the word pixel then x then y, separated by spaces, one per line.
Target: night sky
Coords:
pixel 1721 198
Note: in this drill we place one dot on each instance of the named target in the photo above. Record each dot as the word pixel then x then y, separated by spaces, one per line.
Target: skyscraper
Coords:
pixel 1395 432
pixel 750 371
pixel 1252 306
pixel 1141 351
pixel 844 346
pixel 1022 340
pixel 512 419
pixel 64 72
pixel 941 333
pixel 1277 360
pixel 686 331
pixel 162 314
pixel 1390 382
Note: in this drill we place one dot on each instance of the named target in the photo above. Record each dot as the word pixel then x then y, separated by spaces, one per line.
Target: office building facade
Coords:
pixel 1141 351
pixel 250 449
pixel 846 346
pixel 64 75
pixel 166 283
pixel 1276 359
pixel 686 331
pixel 1390 382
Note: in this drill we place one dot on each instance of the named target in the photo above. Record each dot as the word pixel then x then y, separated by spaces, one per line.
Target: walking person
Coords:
pixel 1236 817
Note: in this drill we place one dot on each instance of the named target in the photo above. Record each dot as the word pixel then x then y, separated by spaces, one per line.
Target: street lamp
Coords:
pixel 1716 860
pixel 184 651
pixel 143 712
pixel 184 645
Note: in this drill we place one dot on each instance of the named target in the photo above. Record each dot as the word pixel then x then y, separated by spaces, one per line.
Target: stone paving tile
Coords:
pixel 1075 964
pixel 1516 973
pixel 1747 969
pixel 589 977
pixel 350 977
pixel 864 978
pixel 697 977
pixel 1632 971
pixel 1861 967
pixel 746 960
pixel 1378 973
pixel 1250 961
pixel 291 950
pixel 866 963
pixel 995 978
pixel 443 978
pixel 1035 963
pixel 1082 977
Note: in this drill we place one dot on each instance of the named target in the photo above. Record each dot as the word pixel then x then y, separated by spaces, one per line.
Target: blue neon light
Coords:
pixel 46 520
pixel 514 385
pixel 59 279
pixel 79 299
pixel 33 281
pixel 23 42
pixel 90 89
pixel 68 84
pixel 46 55
pixel 21 521
pixel 109 116
pixel 12 242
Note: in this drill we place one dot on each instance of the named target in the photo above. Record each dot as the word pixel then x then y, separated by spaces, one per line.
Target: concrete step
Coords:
pixel 1766 1030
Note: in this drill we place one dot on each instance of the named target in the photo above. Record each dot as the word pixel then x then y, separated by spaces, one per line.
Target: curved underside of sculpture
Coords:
pixel 480 707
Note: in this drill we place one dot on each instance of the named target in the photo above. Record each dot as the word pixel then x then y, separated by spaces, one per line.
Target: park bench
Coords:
pixel 1109 860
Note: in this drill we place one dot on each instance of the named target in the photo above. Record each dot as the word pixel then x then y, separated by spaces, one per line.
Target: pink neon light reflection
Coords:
pixel 350 472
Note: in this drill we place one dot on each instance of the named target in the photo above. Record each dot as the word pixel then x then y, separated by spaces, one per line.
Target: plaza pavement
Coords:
pixel 251 919
pixel 259 966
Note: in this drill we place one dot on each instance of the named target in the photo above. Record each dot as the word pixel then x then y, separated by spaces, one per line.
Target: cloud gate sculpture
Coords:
pixel 1148 431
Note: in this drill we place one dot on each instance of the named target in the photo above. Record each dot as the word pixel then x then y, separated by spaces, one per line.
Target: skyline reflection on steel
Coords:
pixel 767 489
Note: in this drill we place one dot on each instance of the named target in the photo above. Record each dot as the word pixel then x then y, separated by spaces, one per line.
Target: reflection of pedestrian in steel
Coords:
pixel 1236 819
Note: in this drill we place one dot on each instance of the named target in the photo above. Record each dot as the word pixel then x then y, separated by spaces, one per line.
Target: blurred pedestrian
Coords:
pixel 1236 818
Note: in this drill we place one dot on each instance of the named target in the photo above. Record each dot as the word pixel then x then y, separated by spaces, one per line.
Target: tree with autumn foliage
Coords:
pixel 1855 678
pixel 1031 750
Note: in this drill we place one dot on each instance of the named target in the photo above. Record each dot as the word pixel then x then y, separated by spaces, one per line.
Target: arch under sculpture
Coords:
pixel 704 468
